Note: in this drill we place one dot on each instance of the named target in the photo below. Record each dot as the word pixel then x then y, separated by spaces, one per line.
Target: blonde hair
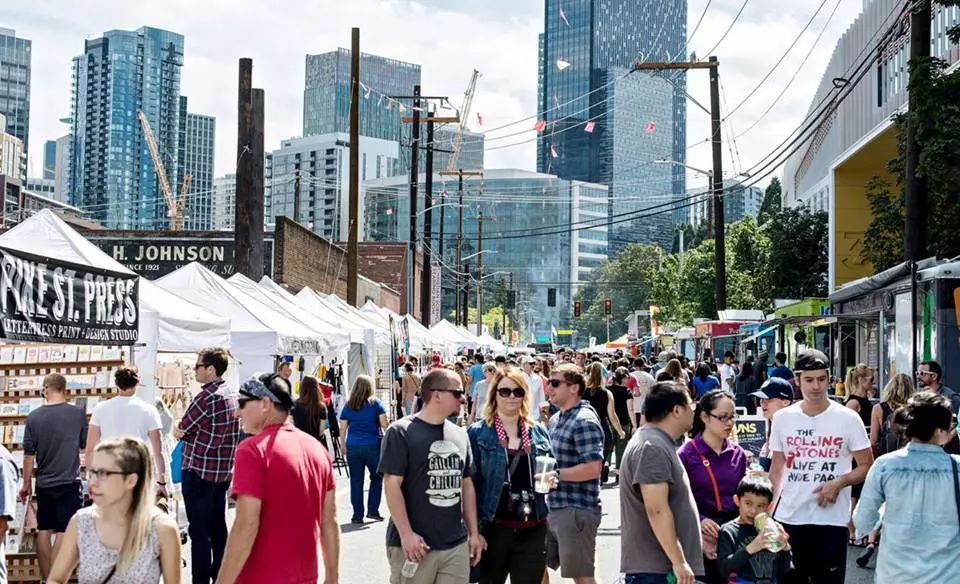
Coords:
pixel 898 390
pixel 855 375
pixel 490 408
pixel 595 375
pixel 675 368
pixel 132 457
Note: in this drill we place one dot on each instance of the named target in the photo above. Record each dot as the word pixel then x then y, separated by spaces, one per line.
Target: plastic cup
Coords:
pixel 545 466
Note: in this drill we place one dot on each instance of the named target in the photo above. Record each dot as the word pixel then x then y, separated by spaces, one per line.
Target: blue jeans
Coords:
pixel 360 458
pixel 206 504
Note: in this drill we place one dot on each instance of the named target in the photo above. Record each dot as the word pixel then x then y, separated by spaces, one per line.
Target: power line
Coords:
pixel 735 19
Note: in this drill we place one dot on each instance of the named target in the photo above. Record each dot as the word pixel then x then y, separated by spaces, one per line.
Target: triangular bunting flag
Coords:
pixel 553 152
pixel 589 126
pixel 564 16
pixel 479 119
pixel 539 126
pixel 380 100
pixel 402 108
pixel 651 127
pixel 561 64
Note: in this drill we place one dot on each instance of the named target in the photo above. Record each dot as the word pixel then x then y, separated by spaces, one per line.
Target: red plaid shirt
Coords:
pixel 211 432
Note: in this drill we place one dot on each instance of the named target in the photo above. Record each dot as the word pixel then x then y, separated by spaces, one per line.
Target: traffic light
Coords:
pixel 576 309
pixel 511 299
pixel 607 307
pixel 551 296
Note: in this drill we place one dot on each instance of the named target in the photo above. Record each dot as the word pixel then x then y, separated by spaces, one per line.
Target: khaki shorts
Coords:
pixel 450 566
pixel 572 541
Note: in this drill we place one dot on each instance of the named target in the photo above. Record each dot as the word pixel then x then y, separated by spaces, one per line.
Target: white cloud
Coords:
pixel 448 38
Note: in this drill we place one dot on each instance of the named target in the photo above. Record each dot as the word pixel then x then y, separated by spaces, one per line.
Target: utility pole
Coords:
pixel 426 285
pixel 720 282
pixel 720 251
pixel 296 196
pixel 917 197
pixel 465 299
pixel 461 309
pixel 414 171
pixel 248 213
pixel 480 273
pixel 353 228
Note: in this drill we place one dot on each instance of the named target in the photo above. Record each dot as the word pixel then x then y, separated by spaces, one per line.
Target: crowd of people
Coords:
pixel 493 469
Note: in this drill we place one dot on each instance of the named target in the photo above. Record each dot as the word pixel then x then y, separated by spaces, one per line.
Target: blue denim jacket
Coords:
pixel 921 530
pixel 490 467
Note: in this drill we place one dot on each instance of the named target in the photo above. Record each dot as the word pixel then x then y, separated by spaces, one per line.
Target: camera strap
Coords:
pixel 512 468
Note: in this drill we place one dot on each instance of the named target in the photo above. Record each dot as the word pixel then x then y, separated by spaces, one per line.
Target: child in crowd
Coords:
pixel 742 554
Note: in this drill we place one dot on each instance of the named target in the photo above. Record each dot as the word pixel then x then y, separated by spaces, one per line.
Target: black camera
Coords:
pixel 521 505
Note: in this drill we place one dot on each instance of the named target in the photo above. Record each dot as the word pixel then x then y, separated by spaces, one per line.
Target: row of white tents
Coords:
pixel 193 308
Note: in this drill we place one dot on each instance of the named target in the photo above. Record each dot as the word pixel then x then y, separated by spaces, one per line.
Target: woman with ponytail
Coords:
pixel 715 465
pixel 123 538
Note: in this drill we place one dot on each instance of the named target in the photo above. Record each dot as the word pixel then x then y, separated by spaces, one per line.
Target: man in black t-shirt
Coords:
pixel 425 461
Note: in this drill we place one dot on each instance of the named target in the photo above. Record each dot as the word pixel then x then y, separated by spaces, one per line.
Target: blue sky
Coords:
pixel 449 38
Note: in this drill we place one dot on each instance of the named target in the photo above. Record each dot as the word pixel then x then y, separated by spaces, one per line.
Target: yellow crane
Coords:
pixel 464 117
pixel 174 206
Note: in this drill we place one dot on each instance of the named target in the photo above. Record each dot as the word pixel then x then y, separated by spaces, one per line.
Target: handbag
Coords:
pixel 176 463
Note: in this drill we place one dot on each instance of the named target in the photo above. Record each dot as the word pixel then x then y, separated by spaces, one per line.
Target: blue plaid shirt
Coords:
pixel 576 437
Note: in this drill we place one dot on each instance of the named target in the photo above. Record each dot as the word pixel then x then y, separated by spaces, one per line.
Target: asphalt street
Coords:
pixel 363 558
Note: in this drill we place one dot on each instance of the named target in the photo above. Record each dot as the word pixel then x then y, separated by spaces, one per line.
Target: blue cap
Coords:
pixel 775 388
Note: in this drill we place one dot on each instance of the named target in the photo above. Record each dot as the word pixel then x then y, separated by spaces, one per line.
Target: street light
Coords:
pixel 687 166
pixel 473 255
pixel 432 207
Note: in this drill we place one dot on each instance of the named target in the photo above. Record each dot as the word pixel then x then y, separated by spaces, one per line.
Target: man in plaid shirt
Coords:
pixel 577 440
pixel 209 431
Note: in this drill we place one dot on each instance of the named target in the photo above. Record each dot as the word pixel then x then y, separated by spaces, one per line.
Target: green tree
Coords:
pixel 797 260
pixel 883 238
pixel 772 201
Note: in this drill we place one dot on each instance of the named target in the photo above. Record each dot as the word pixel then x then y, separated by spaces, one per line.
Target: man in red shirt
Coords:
pixel 285 515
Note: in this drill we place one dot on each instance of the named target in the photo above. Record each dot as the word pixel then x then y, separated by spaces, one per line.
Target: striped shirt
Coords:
pixel 211 433
pixel 576 437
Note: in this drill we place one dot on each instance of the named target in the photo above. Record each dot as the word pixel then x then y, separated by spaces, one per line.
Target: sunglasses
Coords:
pixel 554 382
pixel 199 365
pixel 244 401
pixel 514 391
pixel 458 393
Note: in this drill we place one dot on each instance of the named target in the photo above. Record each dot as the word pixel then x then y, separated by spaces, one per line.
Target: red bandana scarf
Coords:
pixel 502 433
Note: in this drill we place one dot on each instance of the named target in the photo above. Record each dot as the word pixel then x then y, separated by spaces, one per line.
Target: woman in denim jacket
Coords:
pixel 918 484
pixel 505 443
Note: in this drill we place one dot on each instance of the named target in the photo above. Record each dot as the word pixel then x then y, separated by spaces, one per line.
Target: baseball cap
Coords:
pixel 264 387
pixel 811 360
pixel 775 388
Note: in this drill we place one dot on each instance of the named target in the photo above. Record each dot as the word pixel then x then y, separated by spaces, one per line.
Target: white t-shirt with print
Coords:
pixel 125 416
pixel 537 397
pixel 817 449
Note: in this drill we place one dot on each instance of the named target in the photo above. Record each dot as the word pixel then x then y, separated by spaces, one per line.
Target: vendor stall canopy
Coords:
pixel 168 323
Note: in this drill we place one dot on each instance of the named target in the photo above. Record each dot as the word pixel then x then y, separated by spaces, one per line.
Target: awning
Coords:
pixel 759 334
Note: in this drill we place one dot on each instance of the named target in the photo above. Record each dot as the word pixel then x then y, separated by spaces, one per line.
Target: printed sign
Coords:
pixel 157 257
pixel 751 433
pixel 51 301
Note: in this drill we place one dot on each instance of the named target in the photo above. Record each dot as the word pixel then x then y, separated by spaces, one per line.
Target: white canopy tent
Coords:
pixel 421 339
pixel 453 334
pixel 258 332
pixel 168 323
pixel 488 342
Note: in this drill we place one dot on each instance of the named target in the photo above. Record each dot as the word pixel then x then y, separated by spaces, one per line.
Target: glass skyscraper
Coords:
pixel 198 152
pixel 605 124
pixel 112 172
pixel 15 86
pixel 326 95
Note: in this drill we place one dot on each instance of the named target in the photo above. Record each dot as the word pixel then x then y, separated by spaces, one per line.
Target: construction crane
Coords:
pixel 464 116
pixel 174 206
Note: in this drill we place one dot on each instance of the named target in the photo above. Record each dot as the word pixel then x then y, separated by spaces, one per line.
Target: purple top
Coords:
pixel 729 467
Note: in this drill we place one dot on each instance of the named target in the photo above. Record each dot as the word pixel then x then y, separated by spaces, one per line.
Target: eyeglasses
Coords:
pixel 102 474
pixel 458 393
pixel 555 382
pixel 723 419
pixel 508 391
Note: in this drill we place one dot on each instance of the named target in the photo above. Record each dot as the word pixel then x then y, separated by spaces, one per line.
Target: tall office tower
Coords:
pixel 198 146
pixel 50 160
pixel 112 176
pixel 603 123
pixel 326 95
pixel 15 86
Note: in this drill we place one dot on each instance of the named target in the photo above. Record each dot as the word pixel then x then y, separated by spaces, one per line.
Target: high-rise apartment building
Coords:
pixel 739 202
pixel 603 123
pixel 223 205
pixel 62 168
pixel 50 159
pixel 326 95
pixel 112 173
pixel 199 139
pixel 12 154
pixel 323 165
pixel 15 86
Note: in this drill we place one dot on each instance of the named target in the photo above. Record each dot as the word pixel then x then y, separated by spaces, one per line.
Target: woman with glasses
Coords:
pixel 919 485
pixel 715 465
pixel 123 538
pixel 505 443
pixel 361 422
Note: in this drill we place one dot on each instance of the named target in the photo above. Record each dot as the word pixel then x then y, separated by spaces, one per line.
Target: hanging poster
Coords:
pixel 51 301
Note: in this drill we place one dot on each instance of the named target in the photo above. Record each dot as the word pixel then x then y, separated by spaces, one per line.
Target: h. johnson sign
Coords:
pixel 156 256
